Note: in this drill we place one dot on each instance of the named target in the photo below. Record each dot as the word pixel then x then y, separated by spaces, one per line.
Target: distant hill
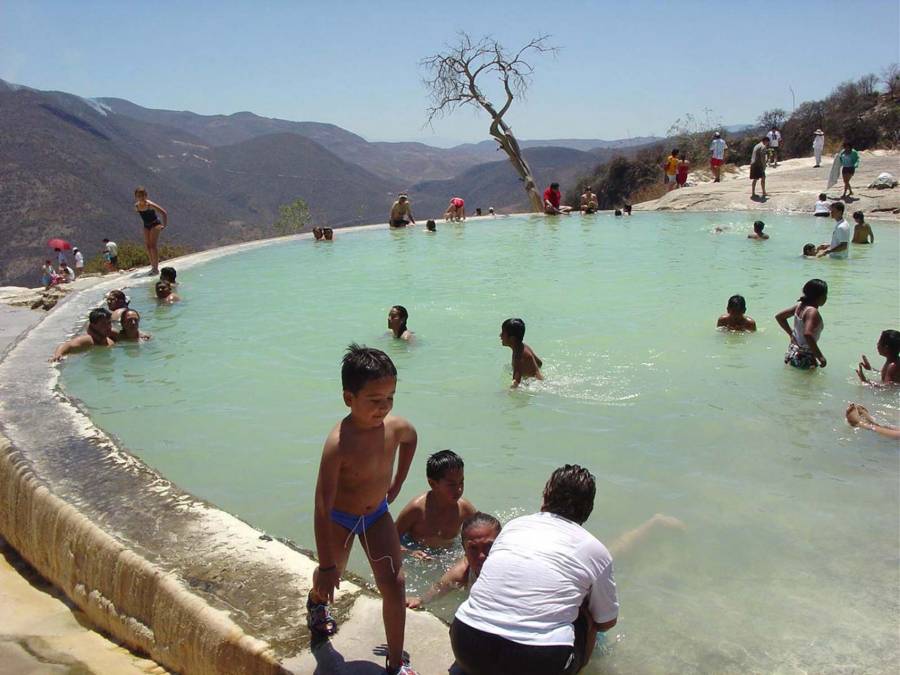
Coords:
pixel 583 144
pixel 68 168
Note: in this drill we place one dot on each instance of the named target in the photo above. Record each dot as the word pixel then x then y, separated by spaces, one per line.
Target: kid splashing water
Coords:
pixel 152 225
pixel 889 347
pixel 525 363
pixel 353 491
pixel 803 351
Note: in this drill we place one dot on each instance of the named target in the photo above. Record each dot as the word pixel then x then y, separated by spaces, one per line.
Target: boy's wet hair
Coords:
pixel 570 493
pixel 838 206
pixel 441 462
pixel 758 226
pixel 514 328
pixel 814 289
pixel 168 274
pixel 859 216
pixel 98 315
pixel 475 520
pixel 809 249
pixel 363 364
pixel 891 340
pixel 737 303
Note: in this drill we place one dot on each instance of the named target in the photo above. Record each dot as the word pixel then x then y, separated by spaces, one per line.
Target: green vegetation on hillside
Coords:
pixel 292 218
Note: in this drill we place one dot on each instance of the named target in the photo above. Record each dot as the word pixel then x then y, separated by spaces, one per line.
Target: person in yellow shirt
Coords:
pixel 671 168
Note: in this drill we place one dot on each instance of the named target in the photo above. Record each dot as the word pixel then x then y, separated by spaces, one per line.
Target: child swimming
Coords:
pixel 734 319
pixel 433 518
pixel 758 231
pixel 888 346
pixel 525 363
pixel 353 491
pixel 862 232
pixel 397 318
pixel 803 351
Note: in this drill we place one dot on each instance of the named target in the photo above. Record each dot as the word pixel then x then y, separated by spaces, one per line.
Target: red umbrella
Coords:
pixel 59 243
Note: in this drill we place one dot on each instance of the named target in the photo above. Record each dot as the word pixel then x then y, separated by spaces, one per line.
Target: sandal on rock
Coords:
pixel 319 620
pixel 404 669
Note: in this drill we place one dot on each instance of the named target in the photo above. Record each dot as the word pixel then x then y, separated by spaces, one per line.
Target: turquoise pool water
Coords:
pixel 790 557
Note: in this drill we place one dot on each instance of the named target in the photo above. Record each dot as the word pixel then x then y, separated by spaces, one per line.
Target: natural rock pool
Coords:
pixel 790 557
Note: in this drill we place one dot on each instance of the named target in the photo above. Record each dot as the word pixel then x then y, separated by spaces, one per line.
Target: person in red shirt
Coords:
pixel 551 201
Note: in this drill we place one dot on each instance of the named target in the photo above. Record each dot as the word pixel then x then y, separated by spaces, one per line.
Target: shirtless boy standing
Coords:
pixel 353 491
pixel 433 519
pixel 525 363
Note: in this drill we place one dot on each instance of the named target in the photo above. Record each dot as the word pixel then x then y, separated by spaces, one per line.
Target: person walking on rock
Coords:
pixel 758 167
pixel 774 137
pixel 849 163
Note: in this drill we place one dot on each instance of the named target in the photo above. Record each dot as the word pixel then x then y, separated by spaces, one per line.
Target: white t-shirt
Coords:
pixel 112 248
pixel 717 148
pixel 841 235
pixel 533 583
pixel 79 260
pixel 774 138
pixel 823 207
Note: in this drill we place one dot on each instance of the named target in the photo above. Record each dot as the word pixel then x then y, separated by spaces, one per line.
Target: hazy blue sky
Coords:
pixel 624 68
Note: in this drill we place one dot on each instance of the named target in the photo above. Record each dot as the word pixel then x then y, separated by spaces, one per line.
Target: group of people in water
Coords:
pixel 510 623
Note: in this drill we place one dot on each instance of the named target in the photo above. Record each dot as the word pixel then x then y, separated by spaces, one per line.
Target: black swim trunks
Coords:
pixel 399 223
pixel 757 172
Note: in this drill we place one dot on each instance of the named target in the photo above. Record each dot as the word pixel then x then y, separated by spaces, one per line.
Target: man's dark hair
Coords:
pixel 674 152
pixel 765 139
pixel 737 303
pixel 441 462
pixel 168 274
pixel 758 226
pixel 363 364
pixel 105 241
pixel 570 493
pixel 98 315
pixel 515 328
pixel 554 186
pixel 476 519
pixel 838 206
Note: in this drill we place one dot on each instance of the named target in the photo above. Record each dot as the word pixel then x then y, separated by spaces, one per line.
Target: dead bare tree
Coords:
pixel 453 82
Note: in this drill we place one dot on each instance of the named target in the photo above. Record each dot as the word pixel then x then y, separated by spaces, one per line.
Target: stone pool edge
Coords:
pixel 130 583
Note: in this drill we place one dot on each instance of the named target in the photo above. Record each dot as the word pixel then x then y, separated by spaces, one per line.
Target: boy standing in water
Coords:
pixel 354 488
pixel 433 519
pixel 525 363
pixel 735 318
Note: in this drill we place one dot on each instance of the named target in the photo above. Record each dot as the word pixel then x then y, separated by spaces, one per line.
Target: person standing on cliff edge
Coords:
pixel 758 167
pixel 818 146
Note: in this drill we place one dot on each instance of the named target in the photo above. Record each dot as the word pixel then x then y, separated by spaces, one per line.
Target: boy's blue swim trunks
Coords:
pixel 359 524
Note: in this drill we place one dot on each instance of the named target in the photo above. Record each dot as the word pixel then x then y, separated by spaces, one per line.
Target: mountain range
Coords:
pixel 69 166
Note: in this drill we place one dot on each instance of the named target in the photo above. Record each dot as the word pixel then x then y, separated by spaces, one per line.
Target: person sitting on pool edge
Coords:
pixel 758 231
pixel 862 233
pixel 735 318
pixel 822 208
pixel 456 210
pixel 477 535
pixel 401 212
pixel 131 328
pixel 168 274
pixel 588 200
pixel 552 198
pixel 889 347
pixel 525 363
pixel 99 334
pixel 165 294
pixel 397 318
pixel 433 518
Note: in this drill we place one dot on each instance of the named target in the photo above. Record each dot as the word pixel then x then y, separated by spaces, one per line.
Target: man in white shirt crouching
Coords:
pixel 544 592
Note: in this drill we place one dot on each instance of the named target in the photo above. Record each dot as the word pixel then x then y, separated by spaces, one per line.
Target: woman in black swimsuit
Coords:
pixel 152 225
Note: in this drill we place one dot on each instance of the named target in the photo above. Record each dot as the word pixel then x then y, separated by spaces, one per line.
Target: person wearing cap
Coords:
pixel 79 262
pixel 401 212
pixel 717 156
pixel 818 146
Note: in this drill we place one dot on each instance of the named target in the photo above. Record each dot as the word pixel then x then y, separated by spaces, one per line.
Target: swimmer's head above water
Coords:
pixel 445 473
pixel 889 344
pixel 512 332
pixel 397 318
pixel 736 305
